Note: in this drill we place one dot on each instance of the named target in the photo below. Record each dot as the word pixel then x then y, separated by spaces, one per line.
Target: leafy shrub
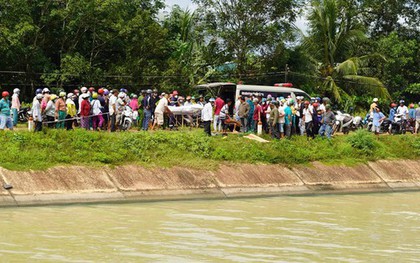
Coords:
pixel 363 141
pixel 25 150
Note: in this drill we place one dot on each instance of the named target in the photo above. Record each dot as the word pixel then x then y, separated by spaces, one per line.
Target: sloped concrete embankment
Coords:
pixel 62 185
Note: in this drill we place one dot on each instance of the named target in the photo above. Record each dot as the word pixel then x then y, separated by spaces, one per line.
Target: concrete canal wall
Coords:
pixel 62 185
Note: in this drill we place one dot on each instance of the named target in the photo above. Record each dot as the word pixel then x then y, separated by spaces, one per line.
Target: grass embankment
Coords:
pixel 24 150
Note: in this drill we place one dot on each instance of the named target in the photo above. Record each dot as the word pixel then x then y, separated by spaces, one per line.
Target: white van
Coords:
pixel 233 91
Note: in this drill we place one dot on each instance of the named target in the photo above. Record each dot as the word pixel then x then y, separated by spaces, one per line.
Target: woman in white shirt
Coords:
pixel 50 111
pixel 96 112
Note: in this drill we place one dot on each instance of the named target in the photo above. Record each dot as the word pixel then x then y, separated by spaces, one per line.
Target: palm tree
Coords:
pixel 334 35
pixel 187 60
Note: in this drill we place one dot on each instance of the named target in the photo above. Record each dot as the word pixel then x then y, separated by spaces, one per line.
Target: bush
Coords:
pixel 25 150
pixel 363 141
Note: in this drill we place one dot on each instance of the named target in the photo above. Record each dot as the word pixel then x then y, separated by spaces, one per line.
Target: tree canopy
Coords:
pixel 359 48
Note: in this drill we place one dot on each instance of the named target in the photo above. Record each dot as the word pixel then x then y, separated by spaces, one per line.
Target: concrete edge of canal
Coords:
pixel 135 183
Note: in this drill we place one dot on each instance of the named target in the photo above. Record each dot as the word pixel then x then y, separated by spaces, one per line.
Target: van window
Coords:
pixel 273 94
pixel 225 92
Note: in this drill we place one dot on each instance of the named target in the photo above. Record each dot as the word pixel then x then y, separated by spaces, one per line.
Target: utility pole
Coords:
pixel 286 72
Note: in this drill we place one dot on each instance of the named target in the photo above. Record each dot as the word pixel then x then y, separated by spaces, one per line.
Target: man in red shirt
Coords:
pixel 218 107
pixel 257 114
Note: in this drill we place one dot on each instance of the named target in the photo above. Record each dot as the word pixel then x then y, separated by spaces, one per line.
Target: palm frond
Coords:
pixel 369 85
pixel 331 87
pixel 348 67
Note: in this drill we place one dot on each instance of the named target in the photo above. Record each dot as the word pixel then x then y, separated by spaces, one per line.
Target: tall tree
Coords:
pixel 245 28
pixel 189 63
pixel 382 17
pixel 67 42
pixel 402 61
pixel 332 40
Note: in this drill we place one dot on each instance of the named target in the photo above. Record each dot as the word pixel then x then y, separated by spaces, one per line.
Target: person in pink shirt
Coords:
pixel 134 103
pixel 15 105
pixel 218 107
pixel 46 92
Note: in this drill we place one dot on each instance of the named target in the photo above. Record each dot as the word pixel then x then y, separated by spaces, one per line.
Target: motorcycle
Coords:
pixel 346 123
pixel 398 125
pixel 401 126
pixel 126 119
pixel 23 114
pixel 411 126
pixel 368 124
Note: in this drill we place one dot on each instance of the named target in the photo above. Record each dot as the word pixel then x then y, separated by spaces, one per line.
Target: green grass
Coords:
pixel 24 150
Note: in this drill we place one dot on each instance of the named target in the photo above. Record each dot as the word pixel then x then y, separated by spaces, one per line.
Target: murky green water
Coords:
pixel 344 228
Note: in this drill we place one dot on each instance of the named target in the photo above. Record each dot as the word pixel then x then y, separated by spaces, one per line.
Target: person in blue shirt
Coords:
pixel 378 118
pixel 288 120
pixel 5 120
pixel 411 112
pixel 392 112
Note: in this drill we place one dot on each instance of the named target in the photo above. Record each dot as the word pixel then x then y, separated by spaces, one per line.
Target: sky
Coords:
pixel 300 23
pixel 182 3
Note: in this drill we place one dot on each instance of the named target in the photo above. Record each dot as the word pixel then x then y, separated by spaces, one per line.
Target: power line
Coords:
pixel 217 76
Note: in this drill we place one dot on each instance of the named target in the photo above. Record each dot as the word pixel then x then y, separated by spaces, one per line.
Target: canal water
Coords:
pixel 336 228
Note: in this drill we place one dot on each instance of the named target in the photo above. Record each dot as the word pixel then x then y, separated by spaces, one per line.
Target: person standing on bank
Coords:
pixel 160 111
pixel 207 116
pixel 50 111
pixel 37 113
pixel 96 109
pixel 113 110
pixel 307 114
pixel 85 111
pixel 60 110
pixel 378 118
pixel 219 105
pixel 5 120
pixel 288 121
pixel 256 118
pixel 243 112
pixel 417 125
pixel 273 120
pixel 147 110
pixel 15 106
pixel 71 111
pixel 327 122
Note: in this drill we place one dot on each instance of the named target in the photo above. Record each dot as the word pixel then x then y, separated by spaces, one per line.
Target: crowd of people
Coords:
pixel 409 115
pixel 102 109
pixel 93 109
pixel 281 117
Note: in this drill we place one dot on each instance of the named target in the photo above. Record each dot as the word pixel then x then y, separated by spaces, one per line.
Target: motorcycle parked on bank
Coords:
pixel 384 128
pixel 126 119
pixel 346 123
pixel 401 125
pixel 24 114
